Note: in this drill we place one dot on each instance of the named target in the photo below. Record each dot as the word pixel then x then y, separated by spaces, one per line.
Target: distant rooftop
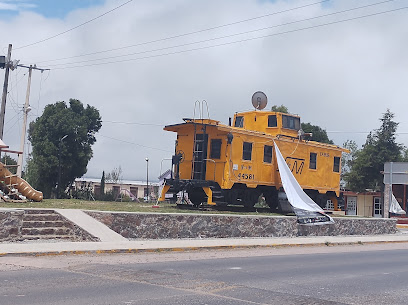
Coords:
pixel 123 182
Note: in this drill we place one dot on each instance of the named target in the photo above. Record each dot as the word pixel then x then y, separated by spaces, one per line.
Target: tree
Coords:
pixel 318 134
pixel 115 175
pixel 7 160
pixel 62 137
pixel 348 159
pixel 280 108
pixel 380 147
pixel 102 184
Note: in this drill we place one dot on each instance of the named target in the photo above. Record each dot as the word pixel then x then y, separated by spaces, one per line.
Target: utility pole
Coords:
pixel 4 96
pixel 11 65
pixel 59 166
pixel 147 179
pixel 26 109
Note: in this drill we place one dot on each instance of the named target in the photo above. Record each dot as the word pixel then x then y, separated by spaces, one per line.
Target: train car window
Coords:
pixel 290 122
pixel 272 121
pixel 336 165
pixel 313 161
pixel 215 151
pixel 247 151
pixel 267 154
pixel 239 121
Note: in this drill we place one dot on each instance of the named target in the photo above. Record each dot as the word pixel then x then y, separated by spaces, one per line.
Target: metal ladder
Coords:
pixel 200 143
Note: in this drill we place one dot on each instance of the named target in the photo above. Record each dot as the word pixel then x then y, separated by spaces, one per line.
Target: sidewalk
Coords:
pixel 60 248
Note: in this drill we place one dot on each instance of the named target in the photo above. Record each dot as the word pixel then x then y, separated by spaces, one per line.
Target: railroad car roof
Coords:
pixel 227 129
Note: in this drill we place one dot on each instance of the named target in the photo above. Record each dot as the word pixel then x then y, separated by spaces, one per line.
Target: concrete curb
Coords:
pixel 155 246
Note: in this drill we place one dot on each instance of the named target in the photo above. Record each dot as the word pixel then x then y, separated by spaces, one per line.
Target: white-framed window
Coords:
pixel 329 205
pixel 377 207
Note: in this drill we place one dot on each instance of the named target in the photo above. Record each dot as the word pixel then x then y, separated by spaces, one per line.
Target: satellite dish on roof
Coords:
pixel 259 100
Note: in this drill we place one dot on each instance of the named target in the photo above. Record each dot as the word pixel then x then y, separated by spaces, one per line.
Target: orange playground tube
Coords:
pixel 20 184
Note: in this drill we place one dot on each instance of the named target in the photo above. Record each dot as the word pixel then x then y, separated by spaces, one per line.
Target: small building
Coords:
pixel 396 183
pixel 366 204
pixel 130 188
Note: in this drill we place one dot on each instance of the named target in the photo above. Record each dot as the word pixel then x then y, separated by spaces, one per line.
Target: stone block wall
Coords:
pixel 351 226
pixel 157 226
pixel 10 224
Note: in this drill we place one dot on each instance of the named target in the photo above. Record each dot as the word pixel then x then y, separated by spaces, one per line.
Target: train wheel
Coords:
pixel 197 196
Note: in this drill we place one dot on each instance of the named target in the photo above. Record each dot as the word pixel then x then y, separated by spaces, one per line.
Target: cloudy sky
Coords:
pixel 338 64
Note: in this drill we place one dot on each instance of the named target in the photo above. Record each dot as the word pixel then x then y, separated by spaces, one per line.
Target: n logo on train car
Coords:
pixel 295 164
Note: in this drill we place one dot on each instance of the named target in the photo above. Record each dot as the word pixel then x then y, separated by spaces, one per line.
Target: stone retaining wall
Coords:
pixel 157 226
pixel 10 224
pixel 351 226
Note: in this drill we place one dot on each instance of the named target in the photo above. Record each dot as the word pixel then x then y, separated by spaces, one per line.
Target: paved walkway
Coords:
pixel 91 225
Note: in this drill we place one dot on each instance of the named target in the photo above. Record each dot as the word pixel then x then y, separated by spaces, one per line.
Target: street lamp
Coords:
pixel 59 165
pixel 147 179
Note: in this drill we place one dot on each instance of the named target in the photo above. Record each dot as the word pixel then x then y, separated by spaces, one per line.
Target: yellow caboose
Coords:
pixel 219 164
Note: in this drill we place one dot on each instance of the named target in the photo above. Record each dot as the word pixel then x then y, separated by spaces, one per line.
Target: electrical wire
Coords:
pixel 74 28
pixel 190 33
pixel 161 125
pixel 133 123
pixel 13 88
pixel 225 36
pixel 137 144
pixel 39 94
pixel 362 132
pixel 16 121
pixel 235 42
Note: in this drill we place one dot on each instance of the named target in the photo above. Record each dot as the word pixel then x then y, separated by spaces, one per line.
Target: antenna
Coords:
pixel 259 100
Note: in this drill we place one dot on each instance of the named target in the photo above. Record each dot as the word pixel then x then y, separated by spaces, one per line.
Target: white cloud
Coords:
pixel 341 77
pixel 12 5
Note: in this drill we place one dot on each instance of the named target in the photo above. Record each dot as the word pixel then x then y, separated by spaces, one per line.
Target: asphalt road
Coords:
pixel 359 274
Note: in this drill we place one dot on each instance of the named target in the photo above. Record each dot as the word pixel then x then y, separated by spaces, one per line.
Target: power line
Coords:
pixel 133 123
pixel 223 37
pixel 137 144
pixel 71 29
pixel 194 32
pixel 361 132
pixel 235 42
pixel 162 125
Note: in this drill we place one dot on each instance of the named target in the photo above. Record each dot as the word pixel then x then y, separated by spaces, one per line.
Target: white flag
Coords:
pixel 395 207
pixel 300 201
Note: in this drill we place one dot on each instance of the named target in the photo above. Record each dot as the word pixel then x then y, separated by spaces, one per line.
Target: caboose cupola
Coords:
pixel 268 122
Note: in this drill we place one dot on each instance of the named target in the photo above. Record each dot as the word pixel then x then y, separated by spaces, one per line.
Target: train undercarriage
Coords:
pixel 206 192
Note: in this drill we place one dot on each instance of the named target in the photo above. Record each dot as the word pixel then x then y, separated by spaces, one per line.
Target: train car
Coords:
pixel 219 164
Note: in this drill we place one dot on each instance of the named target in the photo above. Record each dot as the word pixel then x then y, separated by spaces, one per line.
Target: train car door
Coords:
pixel 200 156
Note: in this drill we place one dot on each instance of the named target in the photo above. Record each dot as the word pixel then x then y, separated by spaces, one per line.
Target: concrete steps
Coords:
pixel 46 224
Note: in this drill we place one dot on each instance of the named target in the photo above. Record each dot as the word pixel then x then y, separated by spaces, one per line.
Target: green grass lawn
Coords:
pixel 116 206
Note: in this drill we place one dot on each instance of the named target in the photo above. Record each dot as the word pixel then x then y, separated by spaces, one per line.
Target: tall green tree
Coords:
pixel 348 159
pixel 318 134
pixel 102 184
pixel 380 147
pixel 62 139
